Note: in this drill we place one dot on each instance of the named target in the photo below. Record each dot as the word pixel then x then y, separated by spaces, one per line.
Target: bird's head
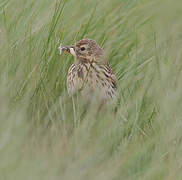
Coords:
pixel 86 50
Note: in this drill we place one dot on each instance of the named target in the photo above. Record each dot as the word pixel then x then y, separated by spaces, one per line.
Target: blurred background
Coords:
pixel 43 134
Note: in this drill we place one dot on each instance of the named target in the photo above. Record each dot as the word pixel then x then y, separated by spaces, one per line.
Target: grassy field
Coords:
pixel 43 134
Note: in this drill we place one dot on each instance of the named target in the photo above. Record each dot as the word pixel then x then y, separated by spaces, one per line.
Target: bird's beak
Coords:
pixel 67 49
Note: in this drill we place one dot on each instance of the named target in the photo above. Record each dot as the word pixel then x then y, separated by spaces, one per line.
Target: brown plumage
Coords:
pixel 90 74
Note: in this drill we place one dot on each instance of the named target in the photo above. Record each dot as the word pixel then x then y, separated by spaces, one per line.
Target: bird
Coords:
pixel 90 74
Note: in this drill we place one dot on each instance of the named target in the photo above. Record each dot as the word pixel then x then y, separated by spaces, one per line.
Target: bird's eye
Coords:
pixel 82 48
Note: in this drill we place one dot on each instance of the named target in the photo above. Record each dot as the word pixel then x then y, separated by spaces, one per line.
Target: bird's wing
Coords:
pixel 112 76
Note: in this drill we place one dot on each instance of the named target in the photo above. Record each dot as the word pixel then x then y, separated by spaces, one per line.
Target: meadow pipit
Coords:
pixel 90 74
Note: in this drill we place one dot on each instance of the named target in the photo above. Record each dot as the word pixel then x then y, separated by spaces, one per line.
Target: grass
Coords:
pixel 42 132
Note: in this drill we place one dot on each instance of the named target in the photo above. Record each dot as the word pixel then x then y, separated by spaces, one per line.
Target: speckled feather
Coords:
pixel 91 75
pixel 92 78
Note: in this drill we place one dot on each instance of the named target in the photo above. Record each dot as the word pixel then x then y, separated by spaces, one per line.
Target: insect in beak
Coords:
pixel 67 49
